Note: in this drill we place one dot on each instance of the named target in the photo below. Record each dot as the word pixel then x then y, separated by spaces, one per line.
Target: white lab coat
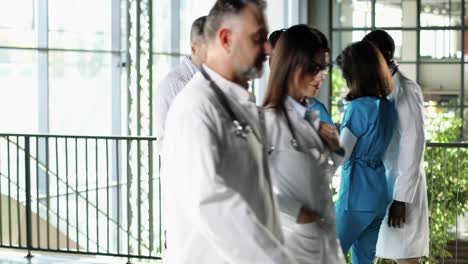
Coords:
pixel 167 90
pixel 302 179
pixel 218 201
pixel 405 175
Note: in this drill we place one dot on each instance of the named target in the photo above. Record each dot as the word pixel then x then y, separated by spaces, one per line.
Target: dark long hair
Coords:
pixel 297 47
pixel 365 71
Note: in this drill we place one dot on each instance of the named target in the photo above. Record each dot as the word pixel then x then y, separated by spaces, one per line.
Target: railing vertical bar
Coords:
pixel 76 197
pixel 457 212
pixel 67 186
pixel 58 190
pixel 18 206
pixel 1 201
pixel 118 193
pixel 47 190
pixel 139 194
pixel 107 192
pixel 150 196
pixel 444 201
pixel 87 195
pixel 37 195
pixel 27 156
pixel 9 191
pixel 97 194
pixel 128 196
pixel 431 166
pixel 160 206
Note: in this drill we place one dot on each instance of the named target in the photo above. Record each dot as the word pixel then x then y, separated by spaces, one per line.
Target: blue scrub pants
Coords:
pixel 359 231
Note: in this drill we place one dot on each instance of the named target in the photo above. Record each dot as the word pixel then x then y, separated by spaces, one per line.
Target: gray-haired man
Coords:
pixel 175 80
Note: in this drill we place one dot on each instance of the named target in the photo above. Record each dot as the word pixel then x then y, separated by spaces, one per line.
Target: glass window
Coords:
pixel 276 14
pixel 80 24
pixel 162 26
pixel 395 13
pixel 405 45
pixel 440 44
pixel 189 11
pixel 441 78
pixel 465 19
pixel 17 24
pixel 388 13
pixel 342 39
pixel 352 13
pixel 440 13
pixel 409 69
pixel 19 100
pixel 465 48
pixel 80 93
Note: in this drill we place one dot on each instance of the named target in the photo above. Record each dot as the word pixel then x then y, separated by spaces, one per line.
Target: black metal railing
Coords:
pixel 102 196
pixel 447 188
pixel 80 194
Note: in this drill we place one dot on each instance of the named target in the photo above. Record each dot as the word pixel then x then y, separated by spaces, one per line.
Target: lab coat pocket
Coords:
pixel 309 230
pixel 305 242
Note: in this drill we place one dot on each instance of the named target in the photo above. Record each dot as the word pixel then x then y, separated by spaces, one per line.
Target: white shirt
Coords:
pixel 169 87
pixel 218 200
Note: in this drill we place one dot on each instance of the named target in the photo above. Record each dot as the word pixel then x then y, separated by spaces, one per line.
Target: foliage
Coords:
pixel 339 90
pixel 447 187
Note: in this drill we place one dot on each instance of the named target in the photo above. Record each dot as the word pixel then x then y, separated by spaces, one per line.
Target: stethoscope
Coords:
pixel 293 141
pixel 241 128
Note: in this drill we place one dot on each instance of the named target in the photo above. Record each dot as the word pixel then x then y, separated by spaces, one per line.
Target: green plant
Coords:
pixel 338 91
pixel 447 187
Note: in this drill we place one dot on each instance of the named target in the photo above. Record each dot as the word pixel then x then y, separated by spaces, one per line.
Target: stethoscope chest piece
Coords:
pixel 240 130
pixel 294 143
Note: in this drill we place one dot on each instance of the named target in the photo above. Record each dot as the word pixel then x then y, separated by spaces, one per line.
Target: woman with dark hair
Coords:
pixel 366 130
pixel 302 155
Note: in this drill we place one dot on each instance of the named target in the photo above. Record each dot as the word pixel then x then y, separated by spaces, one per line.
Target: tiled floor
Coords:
pixel 18 257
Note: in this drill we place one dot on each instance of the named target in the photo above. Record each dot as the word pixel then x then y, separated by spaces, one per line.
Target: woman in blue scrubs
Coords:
pixel 366 130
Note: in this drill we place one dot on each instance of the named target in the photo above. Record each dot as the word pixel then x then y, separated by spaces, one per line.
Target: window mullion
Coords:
pixel 43 66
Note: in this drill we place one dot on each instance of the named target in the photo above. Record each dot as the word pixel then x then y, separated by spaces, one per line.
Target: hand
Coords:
pixel 396 214
pixel 308 216
pixel 329 135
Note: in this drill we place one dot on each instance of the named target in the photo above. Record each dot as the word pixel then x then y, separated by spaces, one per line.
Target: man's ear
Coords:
pixel 193 48
pixel 224 37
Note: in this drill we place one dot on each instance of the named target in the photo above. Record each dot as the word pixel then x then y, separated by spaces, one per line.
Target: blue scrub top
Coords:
pixel 324 116
pixel 363 184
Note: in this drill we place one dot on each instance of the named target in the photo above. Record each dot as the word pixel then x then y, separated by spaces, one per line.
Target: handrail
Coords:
pixel 71 188
pixel 448 145
pixel 77 136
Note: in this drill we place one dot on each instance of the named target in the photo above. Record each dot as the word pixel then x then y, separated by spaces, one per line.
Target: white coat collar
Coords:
pixel 301 111
pixel 231 89
pixel 192 67
pixel 305 131
pixel 244 102
pixel 393 96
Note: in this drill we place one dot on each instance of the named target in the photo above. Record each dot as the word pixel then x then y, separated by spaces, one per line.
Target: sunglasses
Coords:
pixel 315 68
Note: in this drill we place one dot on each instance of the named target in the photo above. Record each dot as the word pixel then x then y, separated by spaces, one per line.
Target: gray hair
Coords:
pixel 198 28
pixel 224 8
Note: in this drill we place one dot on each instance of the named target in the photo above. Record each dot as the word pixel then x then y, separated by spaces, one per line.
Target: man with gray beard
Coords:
pixel 218 202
